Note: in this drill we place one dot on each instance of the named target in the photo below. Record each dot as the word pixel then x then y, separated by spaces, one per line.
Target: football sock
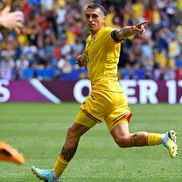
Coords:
pixel 60 166
pixel 154 139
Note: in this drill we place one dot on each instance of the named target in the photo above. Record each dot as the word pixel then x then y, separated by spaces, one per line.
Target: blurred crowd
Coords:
pixel 54 34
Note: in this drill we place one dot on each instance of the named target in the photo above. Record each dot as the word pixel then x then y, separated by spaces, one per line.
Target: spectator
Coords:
pixel 54 31
pixel 7 67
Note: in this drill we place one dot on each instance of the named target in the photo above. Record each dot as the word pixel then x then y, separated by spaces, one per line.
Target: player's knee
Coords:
pixel 122 141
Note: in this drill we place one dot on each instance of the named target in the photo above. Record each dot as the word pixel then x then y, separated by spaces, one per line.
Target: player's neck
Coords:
pixel 92 33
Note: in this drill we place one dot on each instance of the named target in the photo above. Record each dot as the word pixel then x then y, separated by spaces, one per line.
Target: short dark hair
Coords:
pixel 95 6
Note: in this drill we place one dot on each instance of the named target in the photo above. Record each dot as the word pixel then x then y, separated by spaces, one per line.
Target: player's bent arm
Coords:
pixel 128 31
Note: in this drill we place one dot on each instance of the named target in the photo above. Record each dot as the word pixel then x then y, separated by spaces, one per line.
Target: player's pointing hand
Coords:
pixel 139 28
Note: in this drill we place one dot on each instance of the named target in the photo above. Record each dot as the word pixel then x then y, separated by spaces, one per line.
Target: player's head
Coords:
pixel 96 17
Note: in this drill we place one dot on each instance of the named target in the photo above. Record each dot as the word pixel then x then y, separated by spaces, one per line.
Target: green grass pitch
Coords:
pixel 38 131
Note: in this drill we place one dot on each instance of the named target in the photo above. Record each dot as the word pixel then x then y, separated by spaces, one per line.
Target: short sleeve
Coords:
pixel 110 36
pixel 113 35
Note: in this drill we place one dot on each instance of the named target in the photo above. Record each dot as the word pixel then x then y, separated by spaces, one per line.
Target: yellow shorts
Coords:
pixel 107 106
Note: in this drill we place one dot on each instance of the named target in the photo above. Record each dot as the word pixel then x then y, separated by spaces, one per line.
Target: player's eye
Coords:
pixel 87 16
pixel 94 16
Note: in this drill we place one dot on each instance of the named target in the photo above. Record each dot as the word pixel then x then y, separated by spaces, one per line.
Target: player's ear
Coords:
pixel 104 18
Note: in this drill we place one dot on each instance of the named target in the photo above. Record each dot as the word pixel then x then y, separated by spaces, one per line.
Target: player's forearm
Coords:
pixel 126 32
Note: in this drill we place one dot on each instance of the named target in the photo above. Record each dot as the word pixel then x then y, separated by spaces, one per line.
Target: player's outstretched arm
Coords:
pixel 128 31
pixel 11 20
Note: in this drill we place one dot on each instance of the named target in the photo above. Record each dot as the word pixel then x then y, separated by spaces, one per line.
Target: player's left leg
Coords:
pixel 120 133
pixel 123 138
pixel 10 154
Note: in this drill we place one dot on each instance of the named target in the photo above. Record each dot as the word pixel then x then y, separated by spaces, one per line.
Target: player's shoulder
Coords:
pixel 108 29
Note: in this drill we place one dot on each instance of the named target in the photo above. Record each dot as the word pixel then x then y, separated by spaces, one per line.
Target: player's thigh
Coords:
pixel 121 128
pixel 95 106
pixel 83 119
pixel 120 111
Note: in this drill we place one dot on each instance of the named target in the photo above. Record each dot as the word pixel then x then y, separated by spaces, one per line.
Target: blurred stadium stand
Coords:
pixel 54 34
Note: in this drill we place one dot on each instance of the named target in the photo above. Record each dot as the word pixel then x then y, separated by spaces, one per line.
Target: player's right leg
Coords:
pixel 81 125
pixel 44 174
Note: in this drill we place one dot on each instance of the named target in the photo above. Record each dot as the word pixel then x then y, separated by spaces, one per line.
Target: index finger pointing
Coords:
pixel 142 23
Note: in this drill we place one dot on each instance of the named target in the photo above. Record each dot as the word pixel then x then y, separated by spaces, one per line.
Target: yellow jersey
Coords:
pixel 101 56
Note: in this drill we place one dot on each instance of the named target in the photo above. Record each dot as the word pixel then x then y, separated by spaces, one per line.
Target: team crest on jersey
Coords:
pixel 93 39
